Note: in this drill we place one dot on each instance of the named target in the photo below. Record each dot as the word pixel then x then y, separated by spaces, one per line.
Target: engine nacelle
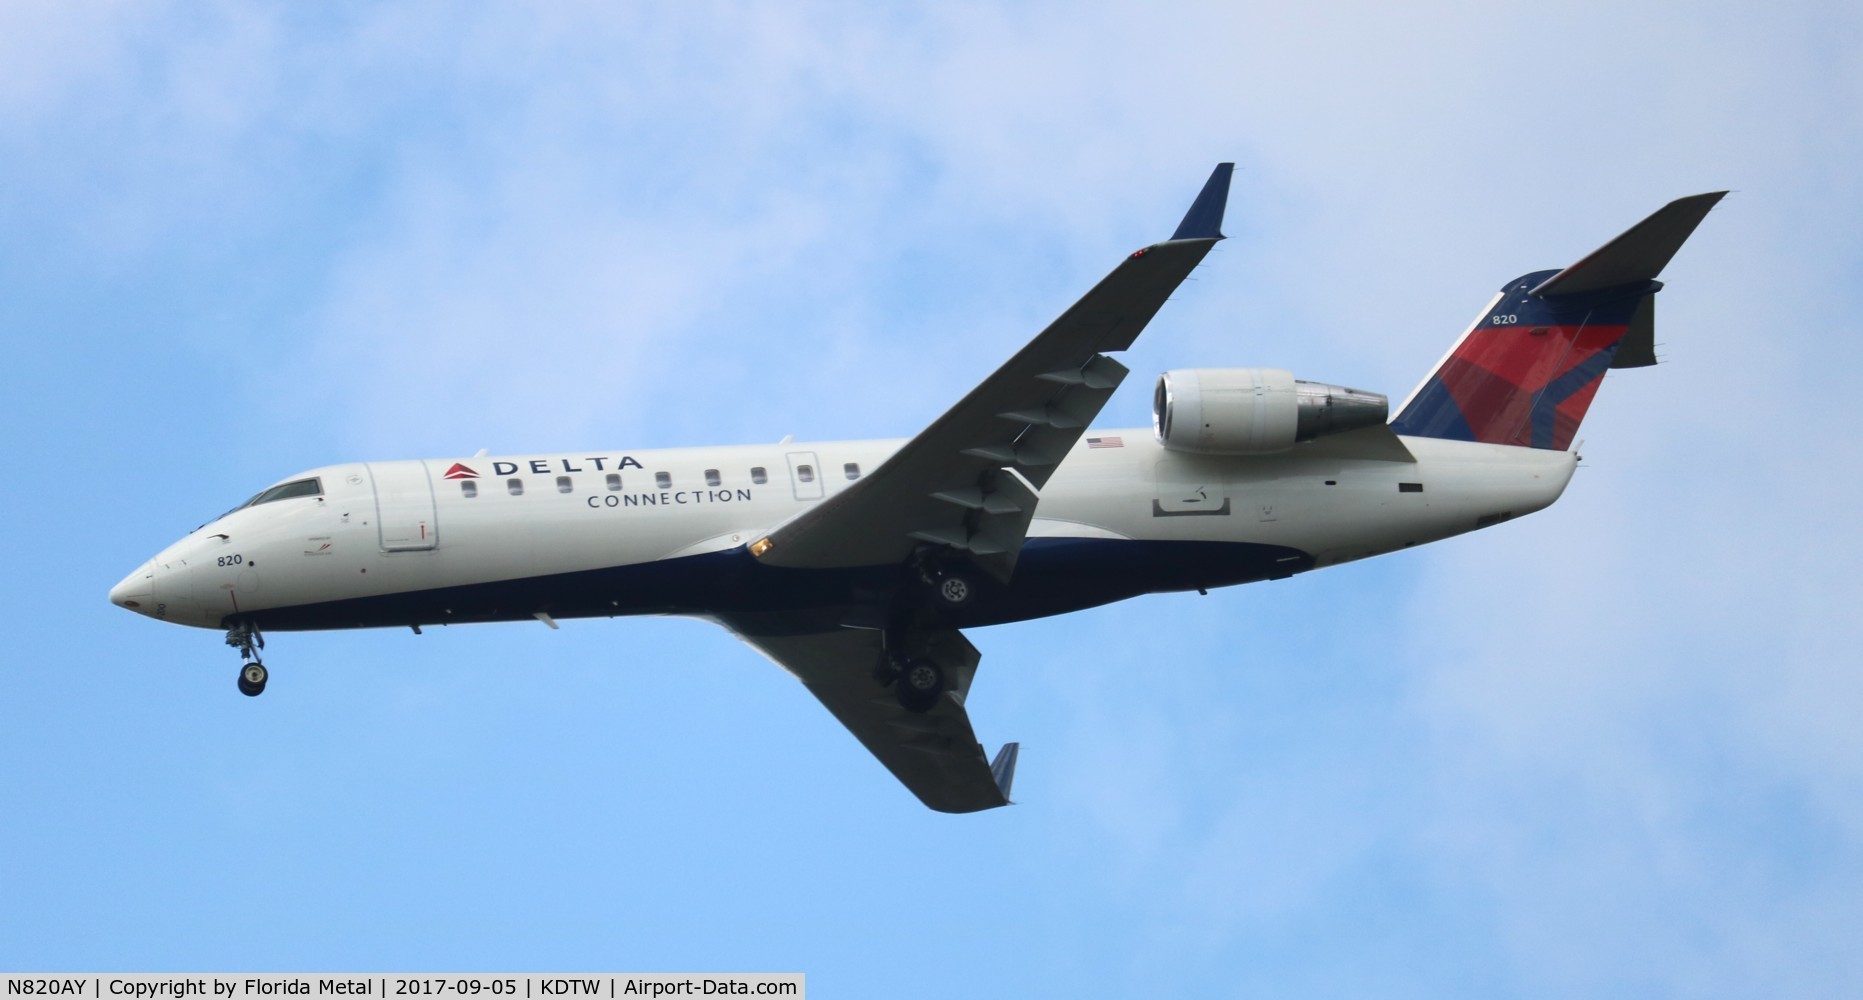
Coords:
pixel 1254 411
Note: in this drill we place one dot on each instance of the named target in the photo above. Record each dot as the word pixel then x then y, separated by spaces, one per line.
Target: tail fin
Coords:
pixel 1525 372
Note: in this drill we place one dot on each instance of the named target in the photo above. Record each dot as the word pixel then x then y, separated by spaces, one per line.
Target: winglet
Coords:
pixel 1003 768
pixel 1204 221
pixel 1638 255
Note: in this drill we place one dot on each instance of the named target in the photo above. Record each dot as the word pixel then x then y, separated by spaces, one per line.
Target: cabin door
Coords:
pixel 404 506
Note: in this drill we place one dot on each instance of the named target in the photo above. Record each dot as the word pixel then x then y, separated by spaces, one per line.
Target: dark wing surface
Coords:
pixel 965 487
pixel 969 481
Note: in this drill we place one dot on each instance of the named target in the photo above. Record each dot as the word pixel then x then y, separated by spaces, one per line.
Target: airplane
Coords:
pixel 856 565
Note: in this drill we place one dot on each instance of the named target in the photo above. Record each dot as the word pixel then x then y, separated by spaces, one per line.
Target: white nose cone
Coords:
pixel 136 592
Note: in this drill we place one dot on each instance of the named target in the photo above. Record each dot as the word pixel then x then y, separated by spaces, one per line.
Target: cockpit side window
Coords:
pixel 286 491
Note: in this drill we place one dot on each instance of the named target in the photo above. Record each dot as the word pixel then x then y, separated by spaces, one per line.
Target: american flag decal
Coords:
pixel 1106 442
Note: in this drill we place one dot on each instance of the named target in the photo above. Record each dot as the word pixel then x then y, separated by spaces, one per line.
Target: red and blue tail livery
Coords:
pixel 1526 371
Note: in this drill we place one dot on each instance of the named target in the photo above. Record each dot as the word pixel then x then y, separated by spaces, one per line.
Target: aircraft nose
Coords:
pixel 136 591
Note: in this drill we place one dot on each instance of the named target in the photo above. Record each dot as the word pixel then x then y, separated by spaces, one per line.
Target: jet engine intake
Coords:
pixel 1254 411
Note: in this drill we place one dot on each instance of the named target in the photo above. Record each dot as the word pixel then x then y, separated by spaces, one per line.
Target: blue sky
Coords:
pixel 1609 749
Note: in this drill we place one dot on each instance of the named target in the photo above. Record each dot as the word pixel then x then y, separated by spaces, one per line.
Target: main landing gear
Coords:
pixel 918 660
pixel 954 590
pixel 919 685
pixel 947 582
pixel 245 637
pixel 916 679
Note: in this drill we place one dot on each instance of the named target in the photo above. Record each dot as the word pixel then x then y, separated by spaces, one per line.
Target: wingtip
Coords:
pixel 1702 203
pixel 1204 221
pixel 1003 768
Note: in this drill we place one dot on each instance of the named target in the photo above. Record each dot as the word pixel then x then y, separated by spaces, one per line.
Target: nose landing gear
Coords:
pixel 245 637
pixel 252 679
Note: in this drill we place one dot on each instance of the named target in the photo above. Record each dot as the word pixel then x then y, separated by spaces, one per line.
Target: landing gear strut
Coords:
pixel 245 637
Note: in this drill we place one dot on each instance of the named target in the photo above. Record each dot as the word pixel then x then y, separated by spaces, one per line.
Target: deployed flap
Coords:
pixel 968 481
pixel 933 753
pixel 1638 255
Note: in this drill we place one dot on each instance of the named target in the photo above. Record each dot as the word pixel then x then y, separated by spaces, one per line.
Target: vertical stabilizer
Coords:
pixel 1527 370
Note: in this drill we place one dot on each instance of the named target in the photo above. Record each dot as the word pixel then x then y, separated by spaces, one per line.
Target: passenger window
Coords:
pixel 663 480
pixel 563 485
pixel 806 473
pixel 614 480
pixel 759 476
pixel 852 469
pixel 515 487
pixel 711 477
pixel 469 488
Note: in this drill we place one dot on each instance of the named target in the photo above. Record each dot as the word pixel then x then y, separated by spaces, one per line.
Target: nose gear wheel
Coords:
pixel 245 637
pixel 252 679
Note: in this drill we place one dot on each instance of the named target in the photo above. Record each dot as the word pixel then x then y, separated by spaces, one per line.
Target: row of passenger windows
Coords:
pixel 661 480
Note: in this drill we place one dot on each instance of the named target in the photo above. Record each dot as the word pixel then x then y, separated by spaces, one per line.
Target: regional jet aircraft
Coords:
pixel 856 565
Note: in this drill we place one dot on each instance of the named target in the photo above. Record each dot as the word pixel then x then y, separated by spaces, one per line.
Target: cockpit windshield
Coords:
pixel 284 491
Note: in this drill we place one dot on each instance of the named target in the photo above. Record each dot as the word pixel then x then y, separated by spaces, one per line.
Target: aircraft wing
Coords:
pixel 968 481
pixel 933 753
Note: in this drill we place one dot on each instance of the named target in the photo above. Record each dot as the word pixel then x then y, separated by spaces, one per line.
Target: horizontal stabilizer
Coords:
pixel 1637 256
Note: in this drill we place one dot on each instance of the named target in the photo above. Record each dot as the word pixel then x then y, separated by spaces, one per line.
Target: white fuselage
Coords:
pixel 590 533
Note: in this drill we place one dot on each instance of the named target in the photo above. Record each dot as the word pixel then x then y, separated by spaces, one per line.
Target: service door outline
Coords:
pixel 798 461
pixel 1182 494
pixel 404 506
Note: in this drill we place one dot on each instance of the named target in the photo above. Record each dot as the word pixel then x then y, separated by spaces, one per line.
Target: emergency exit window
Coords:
pixel 806 473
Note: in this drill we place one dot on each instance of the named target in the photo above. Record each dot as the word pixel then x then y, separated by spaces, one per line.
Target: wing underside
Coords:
pixel 934 753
